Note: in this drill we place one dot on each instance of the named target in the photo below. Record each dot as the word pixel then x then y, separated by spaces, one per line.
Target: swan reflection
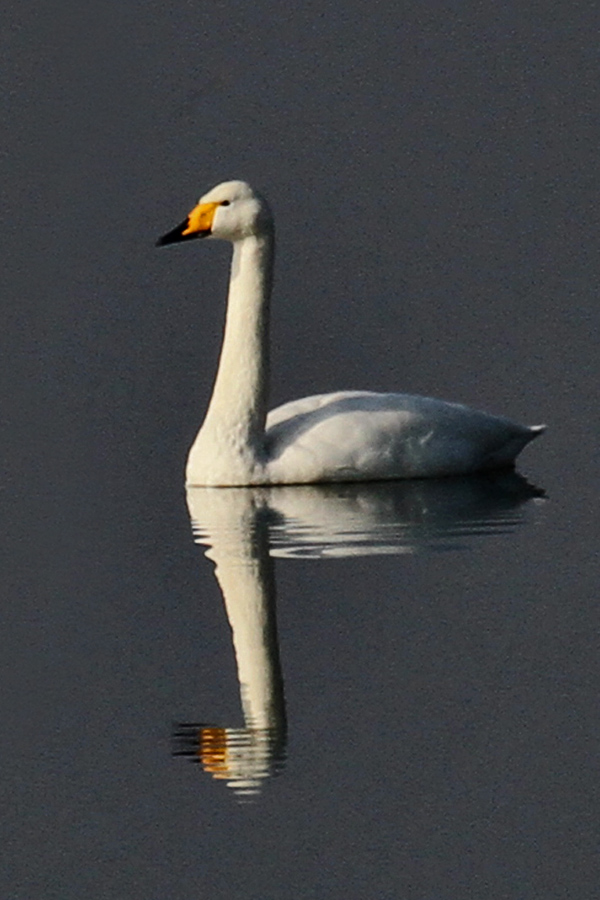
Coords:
pixel 237 536
pixel 243 528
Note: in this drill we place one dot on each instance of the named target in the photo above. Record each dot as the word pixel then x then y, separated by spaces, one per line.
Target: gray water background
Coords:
pixel 433 171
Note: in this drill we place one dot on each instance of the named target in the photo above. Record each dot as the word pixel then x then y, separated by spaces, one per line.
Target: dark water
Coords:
pixel 421 719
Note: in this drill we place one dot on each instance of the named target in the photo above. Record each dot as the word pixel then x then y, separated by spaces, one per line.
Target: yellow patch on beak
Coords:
pixel 200 219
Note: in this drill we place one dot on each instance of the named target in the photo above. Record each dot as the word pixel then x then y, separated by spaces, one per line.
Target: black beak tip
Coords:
pixel 173 236
pixel 177 235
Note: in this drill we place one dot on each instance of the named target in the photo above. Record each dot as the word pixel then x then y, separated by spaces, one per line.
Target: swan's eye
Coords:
pixel 225 202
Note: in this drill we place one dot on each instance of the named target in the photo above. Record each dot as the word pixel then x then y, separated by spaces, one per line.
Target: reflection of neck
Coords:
pixel 249 595
pixel 245 574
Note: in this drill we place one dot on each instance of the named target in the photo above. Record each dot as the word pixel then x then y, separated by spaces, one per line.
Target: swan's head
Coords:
pixel 231 211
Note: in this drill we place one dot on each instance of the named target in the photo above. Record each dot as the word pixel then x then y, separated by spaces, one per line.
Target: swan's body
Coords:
pixel 345 436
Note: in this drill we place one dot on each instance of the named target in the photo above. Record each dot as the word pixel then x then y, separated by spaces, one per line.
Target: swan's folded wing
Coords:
pixel 355 435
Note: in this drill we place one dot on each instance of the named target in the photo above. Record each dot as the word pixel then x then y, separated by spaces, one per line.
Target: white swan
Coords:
pixel 345 436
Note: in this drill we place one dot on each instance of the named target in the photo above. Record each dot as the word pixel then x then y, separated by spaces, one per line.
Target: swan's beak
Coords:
pixel 198 224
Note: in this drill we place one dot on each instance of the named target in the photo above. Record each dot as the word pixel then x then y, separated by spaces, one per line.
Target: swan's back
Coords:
pixel 359 436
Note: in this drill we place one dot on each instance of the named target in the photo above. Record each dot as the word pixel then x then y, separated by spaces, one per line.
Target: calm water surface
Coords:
pixel 384 691
pixel 385 688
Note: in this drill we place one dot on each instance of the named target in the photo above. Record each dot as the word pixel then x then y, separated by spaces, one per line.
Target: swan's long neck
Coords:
pixel 240 394
pixel 232 434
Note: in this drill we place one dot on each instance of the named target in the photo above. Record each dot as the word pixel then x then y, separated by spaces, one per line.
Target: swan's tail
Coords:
pixel 507 452
pixel 536 430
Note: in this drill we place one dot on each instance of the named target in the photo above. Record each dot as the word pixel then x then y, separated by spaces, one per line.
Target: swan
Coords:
pixel 343 436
